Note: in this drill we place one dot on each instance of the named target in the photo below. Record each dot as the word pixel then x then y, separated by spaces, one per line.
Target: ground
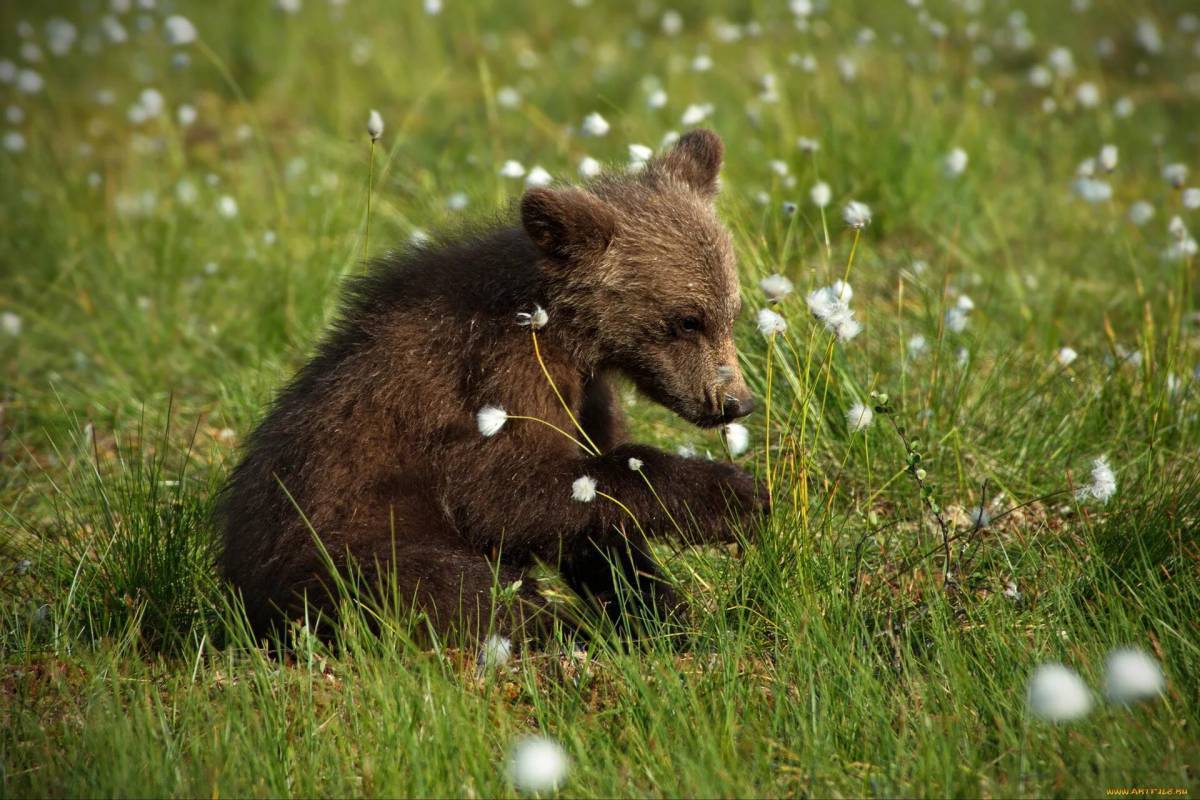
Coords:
pixel 185 193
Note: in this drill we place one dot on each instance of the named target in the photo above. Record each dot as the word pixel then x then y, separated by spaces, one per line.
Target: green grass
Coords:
pixel 828 657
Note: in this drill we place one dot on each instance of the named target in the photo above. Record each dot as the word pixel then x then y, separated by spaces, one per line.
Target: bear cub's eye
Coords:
pixel 689 325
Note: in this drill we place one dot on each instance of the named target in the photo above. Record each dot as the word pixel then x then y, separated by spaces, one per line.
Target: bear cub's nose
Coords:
pixel 736 408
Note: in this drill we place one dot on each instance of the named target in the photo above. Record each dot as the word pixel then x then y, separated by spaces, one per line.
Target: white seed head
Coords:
pixel 538 177
pixel 512 169
pixel 535 319
pixel 856 214
pixel 1131 676
pixel 821 194
pixel 1103 484
pixel 583 489
pixel 495 652
pixel 859 417
pixel 635 464
pixel 595 125
pixel 491 419
pixel 1191 198
pixel 375 125
pixel 1175 174
pixel 770 323
pixel 737 437
pixel 1066 356
pixel 589 167
pixel 955 162
pixel 1108 157
pixel 775 287
pixel 1141 212
pixel 538 766
pixel 1058 694
pixel 10 323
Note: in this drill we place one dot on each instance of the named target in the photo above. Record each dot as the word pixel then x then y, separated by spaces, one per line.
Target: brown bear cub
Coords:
pixel 377 443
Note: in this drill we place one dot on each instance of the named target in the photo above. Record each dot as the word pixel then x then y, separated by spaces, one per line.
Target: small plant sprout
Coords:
pixel 1103 484
pixel 538 766
pixel 1058 694
pixel 775 287
pixel 636 464
pixel 955 162
pixel 737 438
pixel 859 417
pixel 491 419
pixel 770 323
pixel 1131 676
pixel 595 125
pixel 583 489
pixel 535 320
pixel 857 215
pixel 495 653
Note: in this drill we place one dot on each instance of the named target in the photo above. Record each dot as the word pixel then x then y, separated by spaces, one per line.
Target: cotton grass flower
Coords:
pixel 820 194
pixel 859 417
pixel 538 765
pixel 10 323
pixel 1175 174
pixel 857 215
pixel 737 437
pixel 1190 198
pixel 636 464
pixel 1131 676
pixel 775 287
pixel 589 167
pixel 639 154
pixel 583 489
pixel 534 320
pixel 227 207
pixel 1103 484
pixel 831 305
pixel 495 653
pixel 595 125
pixel 1066 356
pixel 695 114
pixel 1141 212
pixel 955 162
pixel 1108 157
pixel 512 169
pixel 490 420
pixel 770 323
pixel 374 125
pixel 538 177
pixel 178 30
pixel 1058 694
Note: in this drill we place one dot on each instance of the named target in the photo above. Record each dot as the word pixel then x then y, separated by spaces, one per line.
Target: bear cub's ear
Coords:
pixel 696 160
pixel 568 224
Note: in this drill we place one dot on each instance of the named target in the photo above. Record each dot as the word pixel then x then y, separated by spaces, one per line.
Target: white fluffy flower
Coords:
pixel 1131 675
pixel 512 169
pixel 589 167
pixel 539 765
pixel 491 419
pixel 775 287
pixel 635 464
pixel 583 489
pixel 639 154
pixel 535 319
pixel 695 114
pixel 1141 212
pixel 1058 694
pixel 657 98
pixel 14 141
pixel 1103 484
pixel 831 305
pixel 807 144
pixel 1175 174
pixel 1191 198
pixel 820 194
pixel 595 125
pixel 955 162
pixel 179 30
pixel 10 323
pixel 495 652
pixel 1066 356
pixel 1108 157
pixel 538 177
pixel 227 207
pixel 856 214
pixel 375 125
pixel 737 437
pixel 957 319
pixel 1087 94
pixel 859 417
pixel 770 323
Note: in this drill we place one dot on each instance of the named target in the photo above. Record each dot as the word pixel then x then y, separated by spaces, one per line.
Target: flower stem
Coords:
pixel 537 352
pixel 370 191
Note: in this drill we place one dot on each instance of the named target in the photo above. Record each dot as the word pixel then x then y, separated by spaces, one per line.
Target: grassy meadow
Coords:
pixel 186 186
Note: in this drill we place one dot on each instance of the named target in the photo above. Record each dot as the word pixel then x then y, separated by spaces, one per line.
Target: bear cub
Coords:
pixel 378 443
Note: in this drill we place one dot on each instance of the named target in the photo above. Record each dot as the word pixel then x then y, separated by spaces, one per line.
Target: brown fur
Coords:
pixel 376 439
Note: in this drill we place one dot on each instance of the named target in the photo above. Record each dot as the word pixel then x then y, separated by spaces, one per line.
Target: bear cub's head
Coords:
pixel 641 269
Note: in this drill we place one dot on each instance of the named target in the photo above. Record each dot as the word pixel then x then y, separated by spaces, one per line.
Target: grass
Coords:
pixel 831 656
